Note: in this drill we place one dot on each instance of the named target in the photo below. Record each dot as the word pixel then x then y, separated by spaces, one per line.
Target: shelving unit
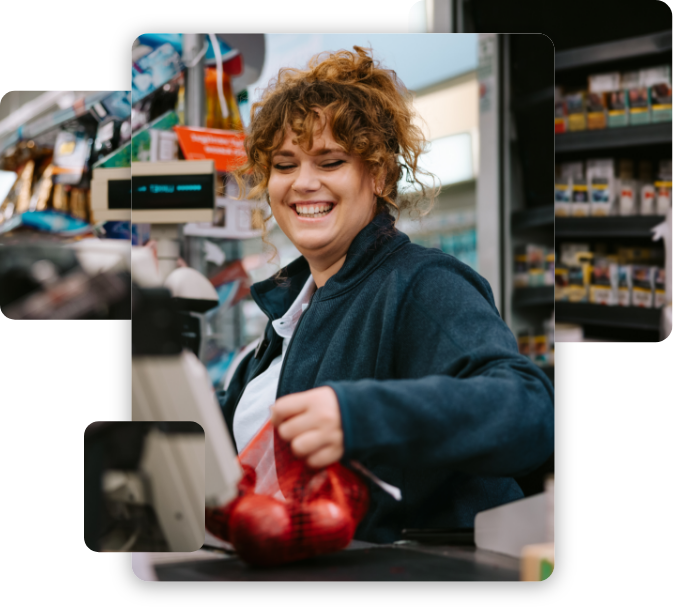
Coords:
pixel 648 141
pixel 534 296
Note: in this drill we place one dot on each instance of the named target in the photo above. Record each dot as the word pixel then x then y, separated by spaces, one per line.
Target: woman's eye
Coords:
pixel 283 167
pixel 334 164
pixel 331 164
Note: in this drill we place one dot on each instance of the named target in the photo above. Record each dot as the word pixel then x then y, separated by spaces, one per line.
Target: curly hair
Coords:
pixel 369 112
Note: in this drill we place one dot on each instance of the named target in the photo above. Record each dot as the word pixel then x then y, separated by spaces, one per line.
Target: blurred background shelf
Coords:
pixel 610 138
pixel 606 227
pixel 534 296
pixel 534 218
pixel 614 316
pixel 613 51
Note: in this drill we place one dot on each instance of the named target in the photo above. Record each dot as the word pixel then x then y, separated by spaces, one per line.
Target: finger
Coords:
pixel 288 406
pixel 308 443
pixel 324 457
pixel 298 424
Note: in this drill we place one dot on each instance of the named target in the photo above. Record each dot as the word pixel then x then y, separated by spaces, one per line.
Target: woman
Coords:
pixel 377 350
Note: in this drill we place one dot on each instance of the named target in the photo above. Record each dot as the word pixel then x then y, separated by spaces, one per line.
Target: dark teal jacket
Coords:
pixel 435 398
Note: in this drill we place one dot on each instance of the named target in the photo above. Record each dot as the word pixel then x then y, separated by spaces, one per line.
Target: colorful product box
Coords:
pixel 660 287
pixel 562 197
pixel 660 98
pixel 604 284
pixel 580 199
pixel 642 293
pixel 576 106
pixel 596 104
pixel 639 105
pixel 624 285
pixel 617 109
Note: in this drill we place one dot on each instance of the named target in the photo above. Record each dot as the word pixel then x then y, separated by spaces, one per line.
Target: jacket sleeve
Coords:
pixel 464 398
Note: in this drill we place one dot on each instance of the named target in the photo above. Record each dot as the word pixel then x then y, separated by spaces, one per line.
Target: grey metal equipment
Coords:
pixel 193 53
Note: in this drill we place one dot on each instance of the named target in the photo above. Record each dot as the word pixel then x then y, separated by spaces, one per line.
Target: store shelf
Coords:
pixel 605 227
pixel 613 51
pixel 533 218
pixel 644 319
pixel 611 138
pixel 534 296
pixel 54 120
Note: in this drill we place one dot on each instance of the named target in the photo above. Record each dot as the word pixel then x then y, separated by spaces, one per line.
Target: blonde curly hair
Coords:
pixel 369 112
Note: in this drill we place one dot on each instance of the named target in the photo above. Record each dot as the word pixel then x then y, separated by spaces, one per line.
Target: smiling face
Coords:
pixel 321 199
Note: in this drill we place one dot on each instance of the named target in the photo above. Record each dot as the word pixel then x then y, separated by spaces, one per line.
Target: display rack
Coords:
pixel 573 65
pixel 54 120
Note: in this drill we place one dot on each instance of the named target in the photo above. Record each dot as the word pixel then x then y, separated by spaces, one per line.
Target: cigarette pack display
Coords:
pixel 604 283
pixel 660 287
pixel 602 191
pixel 660 97
pixel 642 293
pixel 639 105
pixel 596 105
pixel 561 283
pixel 647 200
pixel 540 349
pixel 617 109
pixel 653 75
pixel 560 117
pixel 627 197
pixel 576 105
pixel 580 198
pixel 624 285
pixel 578 280
pixel 520 268
pixel 536 265
pixel 524 341
pixel 549 268
pixel 604 82
pixel 663 196
pixel 562 198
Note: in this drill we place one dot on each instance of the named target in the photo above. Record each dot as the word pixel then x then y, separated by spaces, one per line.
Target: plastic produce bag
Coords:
pixel 285 510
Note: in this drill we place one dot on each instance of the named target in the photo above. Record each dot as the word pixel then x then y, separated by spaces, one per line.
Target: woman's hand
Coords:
pixel 311 422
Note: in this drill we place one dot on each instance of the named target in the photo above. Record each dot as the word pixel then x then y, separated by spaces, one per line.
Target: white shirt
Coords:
pixel 252 411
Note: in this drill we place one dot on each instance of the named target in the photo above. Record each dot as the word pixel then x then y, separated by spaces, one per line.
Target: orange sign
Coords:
pixel 225 147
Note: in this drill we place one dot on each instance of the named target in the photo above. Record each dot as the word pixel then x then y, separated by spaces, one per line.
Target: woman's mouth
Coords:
pixel 313 210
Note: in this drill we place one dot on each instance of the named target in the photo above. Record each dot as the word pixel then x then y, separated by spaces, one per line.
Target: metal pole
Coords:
pixel 195 91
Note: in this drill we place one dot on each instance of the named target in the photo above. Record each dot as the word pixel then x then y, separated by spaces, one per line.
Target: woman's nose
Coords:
pixel 307 179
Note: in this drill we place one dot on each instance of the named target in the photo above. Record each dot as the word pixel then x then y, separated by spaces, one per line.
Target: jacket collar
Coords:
pixel 370 248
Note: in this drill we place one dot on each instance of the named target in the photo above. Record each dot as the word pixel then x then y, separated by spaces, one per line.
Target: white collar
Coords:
pixel 286 324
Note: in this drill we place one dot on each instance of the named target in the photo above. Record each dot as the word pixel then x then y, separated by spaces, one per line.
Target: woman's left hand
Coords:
pixel 311 422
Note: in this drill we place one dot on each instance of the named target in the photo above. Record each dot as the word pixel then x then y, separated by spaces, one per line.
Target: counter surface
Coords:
pixel 407 561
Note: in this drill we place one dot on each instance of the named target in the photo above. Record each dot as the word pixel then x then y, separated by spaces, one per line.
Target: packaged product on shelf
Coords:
pixel 163 145
pixel 663 188
pixel 600 88
pixel 653 75
pixel 647 192
pixel 579 276
pixel 71 154
pixel 570 252
pixel 561 283
pixel 617 109
pixel 540 348
pixel 549 268
pixel 536 265
pixel 639 105
pixel 560 117
pixel 604 283
pixel 596 105
pixel 660 97
pixel 524 340
pixel 624 285
pixel 601 178
pixel 562 197
pixel 642 292
pixel 576 105
pixel 660 287
pixel 520 268
pixel 580 198
pixel 627 189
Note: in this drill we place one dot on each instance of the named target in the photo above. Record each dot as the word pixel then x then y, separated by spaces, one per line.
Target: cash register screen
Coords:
pixel 155 192
pixel 119 194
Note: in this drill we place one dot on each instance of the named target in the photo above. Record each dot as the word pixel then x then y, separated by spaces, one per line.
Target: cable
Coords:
pixel 220 75
pixel 194 61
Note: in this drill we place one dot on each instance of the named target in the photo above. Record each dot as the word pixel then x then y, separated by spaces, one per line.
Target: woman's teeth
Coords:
pixel 319 210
